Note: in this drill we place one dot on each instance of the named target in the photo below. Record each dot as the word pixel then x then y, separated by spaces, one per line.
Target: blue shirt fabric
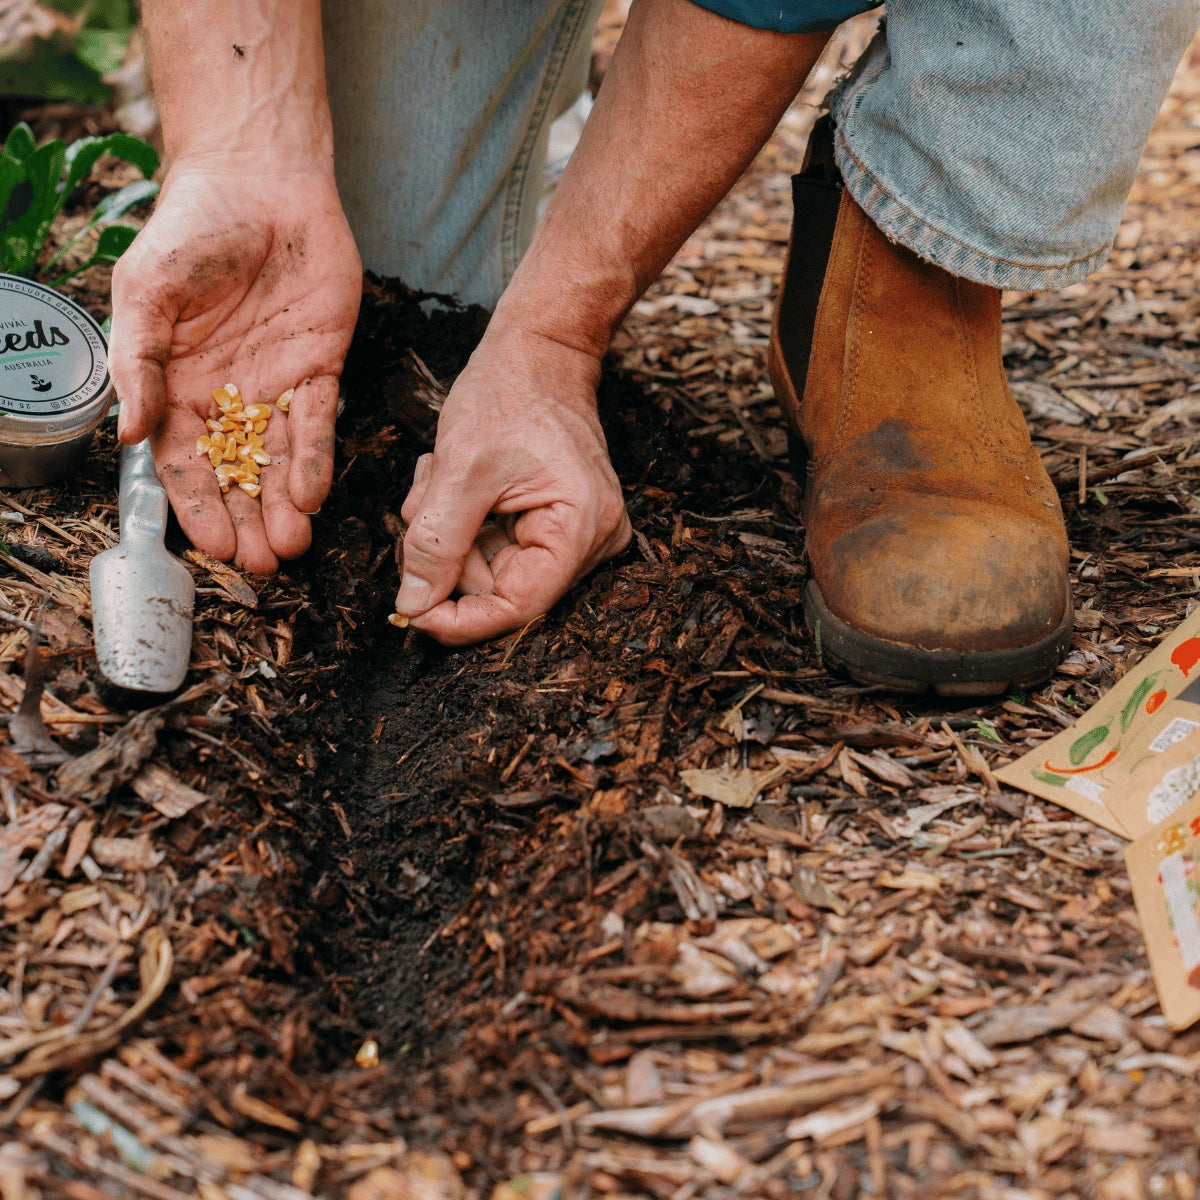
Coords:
pixel 789 16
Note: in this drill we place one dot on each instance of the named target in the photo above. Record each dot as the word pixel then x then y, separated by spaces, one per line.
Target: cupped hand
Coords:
pixel 518 500
pixel 246 273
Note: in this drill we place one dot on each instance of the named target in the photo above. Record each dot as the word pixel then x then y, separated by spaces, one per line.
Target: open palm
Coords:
pixel 251 279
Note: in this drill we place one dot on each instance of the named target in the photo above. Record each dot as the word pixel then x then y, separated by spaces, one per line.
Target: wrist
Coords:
pixel 563 293
pixel 274 162
pixel 240 77
pixel 564 368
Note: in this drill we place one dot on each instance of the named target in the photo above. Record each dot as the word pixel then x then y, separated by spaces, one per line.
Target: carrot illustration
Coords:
pixel 1082 770
pixel 1186 655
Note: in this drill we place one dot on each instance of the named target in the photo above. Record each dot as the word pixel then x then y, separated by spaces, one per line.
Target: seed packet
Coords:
pixel 1164 869
pixel 1133 759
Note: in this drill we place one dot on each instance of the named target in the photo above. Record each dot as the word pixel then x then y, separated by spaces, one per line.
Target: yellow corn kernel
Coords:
pixel 230 451
pixel 251 489
pixel 203 444
pixel 261 457
pixel 260 426
pixel 398 619
pixel 214 456
pixel 256 412
pixel 232 389
pixel 215 426
pixel 284 402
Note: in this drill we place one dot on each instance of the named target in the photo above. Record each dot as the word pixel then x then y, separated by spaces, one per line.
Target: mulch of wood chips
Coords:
pixel 357 916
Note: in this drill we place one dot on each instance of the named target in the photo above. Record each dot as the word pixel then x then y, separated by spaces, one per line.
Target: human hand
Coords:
pixel 247 273
pixel 518 500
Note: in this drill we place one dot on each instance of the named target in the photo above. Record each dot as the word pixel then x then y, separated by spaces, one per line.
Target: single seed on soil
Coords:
pixel 368 1054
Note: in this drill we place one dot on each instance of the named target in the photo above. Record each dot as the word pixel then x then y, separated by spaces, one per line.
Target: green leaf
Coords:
pixel 102 50
pixel 50 75
pixel 1134 702
pixel 11 174
pixel 988 730
pixel 114 240
pixel 82 156
pixel 20 144
pixel 1083 746
pixel 1048 777
pixel 110 14
pixel 117 204
pixel 108 210
pixel 24 237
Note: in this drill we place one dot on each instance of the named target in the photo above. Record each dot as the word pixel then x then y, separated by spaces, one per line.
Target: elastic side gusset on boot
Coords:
pixel 935 538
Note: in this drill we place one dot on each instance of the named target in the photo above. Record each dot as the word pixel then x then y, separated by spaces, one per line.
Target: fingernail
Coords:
pixel 313 513
pixel 415 595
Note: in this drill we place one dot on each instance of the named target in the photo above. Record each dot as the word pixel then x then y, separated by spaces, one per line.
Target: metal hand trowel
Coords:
pixel 142 597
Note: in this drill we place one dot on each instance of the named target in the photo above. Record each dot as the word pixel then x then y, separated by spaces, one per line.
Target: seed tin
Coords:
pixel 54 383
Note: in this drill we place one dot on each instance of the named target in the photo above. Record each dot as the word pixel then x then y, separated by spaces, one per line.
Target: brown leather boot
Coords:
pixel 935 537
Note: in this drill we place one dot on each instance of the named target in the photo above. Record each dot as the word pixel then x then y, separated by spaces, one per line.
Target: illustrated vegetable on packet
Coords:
pixel 1095 749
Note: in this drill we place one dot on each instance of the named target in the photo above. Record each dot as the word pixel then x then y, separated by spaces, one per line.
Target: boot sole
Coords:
pixel 953 674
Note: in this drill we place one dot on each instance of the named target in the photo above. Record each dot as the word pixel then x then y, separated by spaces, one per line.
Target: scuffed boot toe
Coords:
pixel 956 597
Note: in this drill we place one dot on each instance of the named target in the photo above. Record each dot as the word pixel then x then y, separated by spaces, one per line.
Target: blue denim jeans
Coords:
pixel 442 112
pixel 1000 138
pixel 997 138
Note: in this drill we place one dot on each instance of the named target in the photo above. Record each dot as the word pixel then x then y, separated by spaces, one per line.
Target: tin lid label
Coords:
pixel 53 359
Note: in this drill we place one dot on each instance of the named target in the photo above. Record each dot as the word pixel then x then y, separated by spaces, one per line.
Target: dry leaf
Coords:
pixel 735 787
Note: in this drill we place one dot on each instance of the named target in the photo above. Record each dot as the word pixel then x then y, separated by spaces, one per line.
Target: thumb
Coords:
pixel 440 536
pixel 139 350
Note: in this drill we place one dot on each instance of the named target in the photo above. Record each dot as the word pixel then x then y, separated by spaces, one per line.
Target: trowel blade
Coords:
pixel 142 618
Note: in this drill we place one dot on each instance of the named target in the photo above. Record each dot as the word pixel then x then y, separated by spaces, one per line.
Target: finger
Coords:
pixel 192 487
pixel 254 553
pixel 530 583
pixel 311 418
pixel 412 502
pixel 139 350
pixel 440 535
pixel 478 577
pixel 289 532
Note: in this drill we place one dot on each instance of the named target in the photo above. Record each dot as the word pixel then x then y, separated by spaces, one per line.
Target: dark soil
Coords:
pixel 405 738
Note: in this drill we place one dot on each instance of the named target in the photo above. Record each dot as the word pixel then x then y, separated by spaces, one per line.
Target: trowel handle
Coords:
pixel 143 499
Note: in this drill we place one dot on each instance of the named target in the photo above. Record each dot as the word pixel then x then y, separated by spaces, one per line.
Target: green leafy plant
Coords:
pixel 35 182
pixel 63 49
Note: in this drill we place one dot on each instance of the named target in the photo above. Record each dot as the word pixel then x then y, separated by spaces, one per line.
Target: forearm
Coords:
pixel 688 101
pixel 238 81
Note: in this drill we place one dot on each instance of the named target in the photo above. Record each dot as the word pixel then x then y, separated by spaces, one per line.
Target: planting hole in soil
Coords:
pixel 435 858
